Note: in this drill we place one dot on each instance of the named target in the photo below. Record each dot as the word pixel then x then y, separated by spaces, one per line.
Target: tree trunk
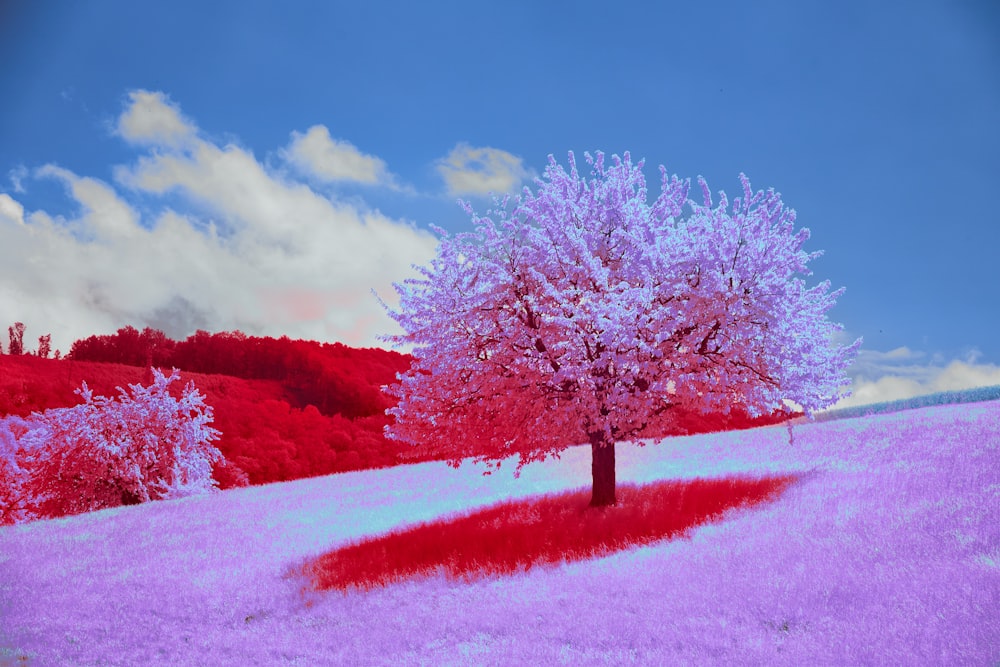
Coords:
pixel 603 469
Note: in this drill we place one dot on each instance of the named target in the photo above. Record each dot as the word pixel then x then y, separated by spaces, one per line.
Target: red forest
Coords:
pixel 287 409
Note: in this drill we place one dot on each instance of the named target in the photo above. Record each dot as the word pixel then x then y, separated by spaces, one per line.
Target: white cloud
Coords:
pixel 150 118
pixel 17 175
pixel 899 374
pixel 11 211
pixel 106 216
pixel 241 248
pixel 479 171
pixel 317 154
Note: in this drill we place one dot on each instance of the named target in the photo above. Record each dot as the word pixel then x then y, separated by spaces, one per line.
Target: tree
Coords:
pixel 145 445
pixel 45 346
pixel 16 337
pixel 588 315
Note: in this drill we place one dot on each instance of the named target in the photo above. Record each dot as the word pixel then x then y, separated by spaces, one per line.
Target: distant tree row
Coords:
pixel 15 346
pixel 334 378
pixel 263 437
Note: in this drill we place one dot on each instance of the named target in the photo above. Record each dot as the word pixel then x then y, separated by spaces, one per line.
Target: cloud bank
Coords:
pixel 199 235
pixel 878 377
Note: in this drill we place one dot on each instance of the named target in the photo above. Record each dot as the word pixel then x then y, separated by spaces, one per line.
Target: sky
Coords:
pixel 264 166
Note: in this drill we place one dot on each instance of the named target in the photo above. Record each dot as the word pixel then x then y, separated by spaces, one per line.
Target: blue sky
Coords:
pixel 261 166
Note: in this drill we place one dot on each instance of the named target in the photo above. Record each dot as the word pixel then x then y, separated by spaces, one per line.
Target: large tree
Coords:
pixel 587 315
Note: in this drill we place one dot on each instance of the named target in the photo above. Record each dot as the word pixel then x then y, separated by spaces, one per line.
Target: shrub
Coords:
pixel 145 445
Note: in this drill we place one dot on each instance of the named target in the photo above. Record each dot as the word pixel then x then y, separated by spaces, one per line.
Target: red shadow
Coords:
pixel 518 535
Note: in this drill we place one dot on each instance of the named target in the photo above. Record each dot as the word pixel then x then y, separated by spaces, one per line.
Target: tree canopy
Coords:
pixel 584 313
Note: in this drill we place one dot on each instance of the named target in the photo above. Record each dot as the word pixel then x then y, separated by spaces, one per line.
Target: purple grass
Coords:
pixel 887 551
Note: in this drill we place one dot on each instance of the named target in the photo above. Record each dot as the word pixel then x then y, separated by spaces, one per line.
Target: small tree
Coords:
pixel 45 346
pixel 588 315
pixel 16 337
pixel 146 445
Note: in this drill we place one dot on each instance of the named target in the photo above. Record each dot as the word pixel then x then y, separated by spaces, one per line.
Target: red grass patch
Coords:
pixel 518 535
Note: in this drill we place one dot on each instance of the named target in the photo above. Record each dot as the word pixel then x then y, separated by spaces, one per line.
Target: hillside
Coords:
pixel 285 409
pixel 263 434
pixel 885 552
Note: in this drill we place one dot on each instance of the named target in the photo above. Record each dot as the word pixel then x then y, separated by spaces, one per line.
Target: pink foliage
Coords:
pixel 145 445
pixel 13 475
pixel 586 313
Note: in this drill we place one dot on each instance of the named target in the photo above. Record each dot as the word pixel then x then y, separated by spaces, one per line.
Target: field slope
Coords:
pixel 886 551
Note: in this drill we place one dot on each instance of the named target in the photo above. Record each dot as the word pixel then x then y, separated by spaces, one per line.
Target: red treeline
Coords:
pixel 321 409
pixel 334 378
pixel 286 408
pixel 265 437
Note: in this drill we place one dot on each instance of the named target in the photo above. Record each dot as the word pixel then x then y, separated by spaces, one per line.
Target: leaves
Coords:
pixel 144 445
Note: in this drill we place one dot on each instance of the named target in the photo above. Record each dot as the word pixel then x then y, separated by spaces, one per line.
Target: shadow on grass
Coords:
pixel 518 535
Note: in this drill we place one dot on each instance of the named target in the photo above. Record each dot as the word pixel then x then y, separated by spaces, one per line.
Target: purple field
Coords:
pixel 885 551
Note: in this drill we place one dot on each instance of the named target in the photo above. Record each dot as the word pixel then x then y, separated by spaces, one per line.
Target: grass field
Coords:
pixel 885 550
